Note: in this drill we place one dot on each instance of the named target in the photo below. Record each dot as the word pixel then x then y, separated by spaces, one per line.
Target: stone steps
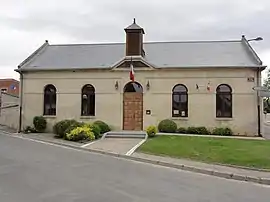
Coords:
pixel 125 134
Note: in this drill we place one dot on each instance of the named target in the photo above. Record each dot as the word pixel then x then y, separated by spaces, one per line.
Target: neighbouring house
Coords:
pixel 10 86
pixel 135 84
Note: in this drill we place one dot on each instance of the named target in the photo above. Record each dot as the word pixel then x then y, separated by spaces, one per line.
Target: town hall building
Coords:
pixel 135 84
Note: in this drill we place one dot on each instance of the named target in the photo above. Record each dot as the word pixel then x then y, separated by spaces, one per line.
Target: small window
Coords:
pixel 180 101
pixel 88 101
pixel 50 100
pixel 224 101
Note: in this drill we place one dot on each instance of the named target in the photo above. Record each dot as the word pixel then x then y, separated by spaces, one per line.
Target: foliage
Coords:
pixel 104 127
pixel 222 131
pixel 81 133
pixel 60 127
pixel 167 126
pixel 73 125
pixel 29 129
pixel 181 130
pixel 40 123
pixel 202 130
pixel 192 130
pixel 266 83
pixel 198 130
pixel 151 131
pixel 95 129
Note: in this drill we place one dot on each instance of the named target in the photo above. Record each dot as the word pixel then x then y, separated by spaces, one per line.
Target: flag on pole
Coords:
pixel 131 72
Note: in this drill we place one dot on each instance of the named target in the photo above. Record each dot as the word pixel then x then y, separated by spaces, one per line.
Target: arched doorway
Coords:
pixel 133 106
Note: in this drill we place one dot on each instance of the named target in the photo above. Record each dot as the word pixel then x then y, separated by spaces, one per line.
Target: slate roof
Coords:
pixel 191 54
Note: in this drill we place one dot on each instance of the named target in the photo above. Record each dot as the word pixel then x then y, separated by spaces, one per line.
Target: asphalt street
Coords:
pixel 36 172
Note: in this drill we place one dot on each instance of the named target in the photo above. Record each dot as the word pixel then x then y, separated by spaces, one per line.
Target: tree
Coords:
pixel 266 83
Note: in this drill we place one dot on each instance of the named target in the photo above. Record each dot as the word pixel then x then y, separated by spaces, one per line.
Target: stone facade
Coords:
pixel 157 99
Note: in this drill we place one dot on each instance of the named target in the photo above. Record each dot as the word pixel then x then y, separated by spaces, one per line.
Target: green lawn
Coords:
pixel 249 153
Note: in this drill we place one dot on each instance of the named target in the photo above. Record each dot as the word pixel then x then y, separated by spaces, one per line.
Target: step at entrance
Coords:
pixel 125 134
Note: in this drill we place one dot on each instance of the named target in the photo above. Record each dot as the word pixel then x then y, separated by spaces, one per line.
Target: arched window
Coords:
pixel 180 101
pixel 88 100
pixel 224 101
pixel 50 100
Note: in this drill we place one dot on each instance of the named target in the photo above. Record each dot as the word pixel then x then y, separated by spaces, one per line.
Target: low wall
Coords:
pixel 9 110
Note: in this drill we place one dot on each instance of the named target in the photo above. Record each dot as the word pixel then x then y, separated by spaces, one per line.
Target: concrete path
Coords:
pixel 205 166
pixel 115 145
pixel 35 172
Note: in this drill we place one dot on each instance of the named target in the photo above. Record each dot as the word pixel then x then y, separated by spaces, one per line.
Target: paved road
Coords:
pixel 35 172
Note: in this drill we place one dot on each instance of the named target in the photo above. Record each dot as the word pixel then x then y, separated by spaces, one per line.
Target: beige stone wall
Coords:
pixel 157 98
pixel 9 111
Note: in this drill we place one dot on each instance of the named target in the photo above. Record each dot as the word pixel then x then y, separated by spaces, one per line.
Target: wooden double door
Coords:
pixel 133 111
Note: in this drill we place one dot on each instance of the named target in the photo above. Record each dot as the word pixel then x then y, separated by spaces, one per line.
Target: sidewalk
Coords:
pixel 216 170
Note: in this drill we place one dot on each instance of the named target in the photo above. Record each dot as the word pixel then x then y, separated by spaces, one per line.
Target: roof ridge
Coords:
pixel 150 42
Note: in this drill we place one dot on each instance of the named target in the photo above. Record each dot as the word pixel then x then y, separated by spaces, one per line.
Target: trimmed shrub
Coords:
pixel 104 127
pixel 192 130
pixel 74 124
pixel 80 134
pixel 198 130
pixel 167 126
pixel 59 129
pixel 181 130
pixel 95 129
pixel 202 130
pixel 40 123
pixel 226 131
pixel 151 131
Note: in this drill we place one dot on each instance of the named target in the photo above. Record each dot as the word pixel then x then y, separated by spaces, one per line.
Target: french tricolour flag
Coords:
pixel 131 72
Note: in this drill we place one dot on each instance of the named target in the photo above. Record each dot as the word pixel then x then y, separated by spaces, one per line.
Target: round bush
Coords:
pixel 40 123
pixel 192 130
pixel 60 127
pixel 167 126
pixel 202 130
pixel 151 131
pixel 81 133
pixel 95 129
pixel 181 130
pixel 73 125
pixel 222 131
pixel 104 127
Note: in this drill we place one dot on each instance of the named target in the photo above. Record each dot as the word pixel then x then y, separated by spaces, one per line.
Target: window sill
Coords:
pixel 87 117
pixel 179 118
pixel 49 116
pixel 223 119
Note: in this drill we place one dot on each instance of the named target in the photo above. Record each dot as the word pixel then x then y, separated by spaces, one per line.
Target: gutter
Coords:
pixel 258 73
pixel 21 100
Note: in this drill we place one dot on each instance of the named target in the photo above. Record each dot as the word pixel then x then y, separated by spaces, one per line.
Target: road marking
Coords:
pixel 131 151
pixel 85 145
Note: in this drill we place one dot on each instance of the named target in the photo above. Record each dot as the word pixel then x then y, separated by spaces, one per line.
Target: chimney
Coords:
pixel 134 40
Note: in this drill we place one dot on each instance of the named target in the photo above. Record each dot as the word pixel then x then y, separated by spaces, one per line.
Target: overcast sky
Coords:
pixel 26 24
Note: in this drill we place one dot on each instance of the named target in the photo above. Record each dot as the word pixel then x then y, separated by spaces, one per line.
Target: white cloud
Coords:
pixel 25 24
